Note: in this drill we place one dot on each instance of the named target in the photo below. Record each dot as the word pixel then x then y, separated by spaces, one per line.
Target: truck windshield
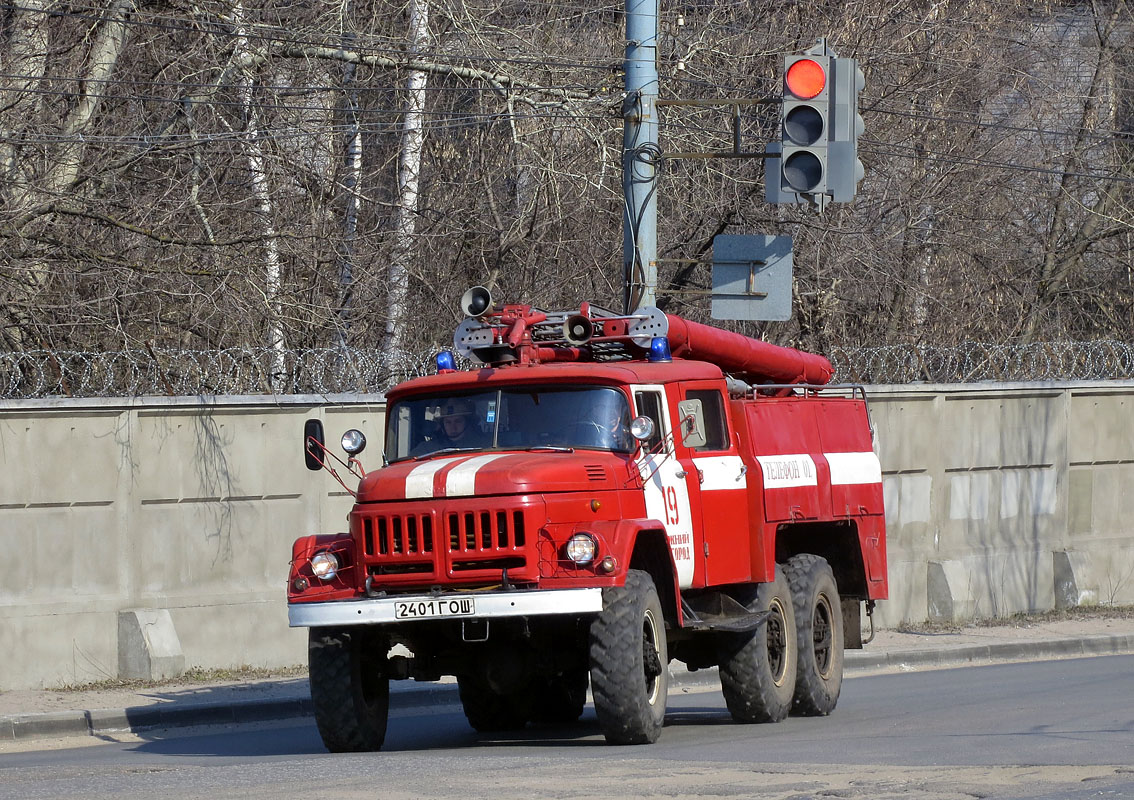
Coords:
pixel 509 419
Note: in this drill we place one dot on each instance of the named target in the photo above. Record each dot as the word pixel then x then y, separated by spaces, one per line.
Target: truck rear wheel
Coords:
pixel 350 691
pixel 819 627
pixel 490 711
pixel 630 662
pixel 758 669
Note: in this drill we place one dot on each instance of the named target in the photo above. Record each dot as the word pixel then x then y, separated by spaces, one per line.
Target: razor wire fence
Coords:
pixel 972 362
pixel 250 370
pixel 231 371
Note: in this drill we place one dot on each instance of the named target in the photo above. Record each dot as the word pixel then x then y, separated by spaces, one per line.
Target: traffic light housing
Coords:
pixel 816 158
pixel 844 167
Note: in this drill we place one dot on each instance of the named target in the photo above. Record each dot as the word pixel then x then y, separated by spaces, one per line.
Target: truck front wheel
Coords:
pixel 630 662
pixel 819 627
pixel 758 669
pixel 350 690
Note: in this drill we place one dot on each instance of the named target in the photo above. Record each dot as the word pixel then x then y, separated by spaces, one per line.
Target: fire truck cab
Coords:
pixel 599 495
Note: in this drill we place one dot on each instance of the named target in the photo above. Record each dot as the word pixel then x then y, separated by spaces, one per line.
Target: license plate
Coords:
pixel 431 609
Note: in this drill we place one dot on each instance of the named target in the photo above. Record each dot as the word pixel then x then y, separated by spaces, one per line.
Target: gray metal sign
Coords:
pixel 752 277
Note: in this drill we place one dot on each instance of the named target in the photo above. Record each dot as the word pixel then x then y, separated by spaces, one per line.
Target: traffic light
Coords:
pixel 804 123
pixel 816 159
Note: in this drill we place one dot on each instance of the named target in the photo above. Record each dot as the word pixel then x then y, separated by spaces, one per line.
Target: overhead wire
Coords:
pixel 909 151
pixel 294 90
pixel 950 116
pixel 258 104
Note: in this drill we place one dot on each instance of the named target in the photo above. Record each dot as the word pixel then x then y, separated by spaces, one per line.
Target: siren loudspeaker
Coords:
pixel 476 302
pixel 578 329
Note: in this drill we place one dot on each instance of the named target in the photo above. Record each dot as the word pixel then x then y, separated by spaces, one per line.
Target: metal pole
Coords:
pixel 639 156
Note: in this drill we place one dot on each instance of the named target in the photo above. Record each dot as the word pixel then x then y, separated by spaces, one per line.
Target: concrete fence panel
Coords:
pixel 179 513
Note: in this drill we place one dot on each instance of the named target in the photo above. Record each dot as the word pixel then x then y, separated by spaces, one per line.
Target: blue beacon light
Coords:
pixel 445 361
pixel 659 350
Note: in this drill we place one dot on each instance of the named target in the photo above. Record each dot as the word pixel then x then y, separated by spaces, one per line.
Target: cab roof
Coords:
pixel 620 373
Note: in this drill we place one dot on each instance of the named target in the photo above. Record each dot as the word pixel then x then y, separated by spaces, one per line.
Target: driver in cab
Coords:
pixel 609 429
pixel 456 425
pixel 455 428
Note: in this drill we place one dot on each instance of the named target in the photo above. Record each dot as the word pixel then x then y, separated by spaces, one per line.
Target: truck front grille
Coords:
pixel 473 531
pixel 427 543
pixel 397 534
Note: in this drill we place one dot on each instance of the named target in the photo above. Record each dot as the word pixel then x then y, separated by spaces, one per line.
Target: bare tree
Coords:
pixel 312 175
pixel 409 180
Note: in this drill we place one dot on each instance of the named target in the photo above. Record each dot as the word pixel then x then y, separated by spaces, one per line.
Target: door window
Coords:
pixel 716 428
pixel 650 405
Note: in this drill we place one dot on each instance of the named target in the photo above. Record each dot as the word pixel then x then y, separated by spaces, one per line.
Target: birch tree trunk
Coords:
pixel 409 176
pixel 351 183
pixel 24 60
pixel 260 192
pixel 32 195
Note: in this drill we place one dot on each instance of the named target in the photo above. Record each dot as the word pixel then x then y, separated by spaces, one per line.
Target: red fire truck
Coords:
pixel 598 495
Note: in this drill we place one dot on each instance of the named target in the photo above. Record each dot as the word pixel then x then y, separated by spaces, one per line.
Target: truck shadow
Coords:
pixel 419 733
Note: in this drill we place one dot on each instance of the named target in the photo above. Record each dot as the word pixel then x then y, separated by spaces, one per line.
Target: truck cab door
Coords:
pixel 717 482
pixel 665 482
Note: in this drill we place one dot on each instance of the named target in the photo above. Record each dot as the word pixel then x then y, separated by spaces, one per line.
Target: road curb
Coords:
pixel 1104 644
pixel 142 718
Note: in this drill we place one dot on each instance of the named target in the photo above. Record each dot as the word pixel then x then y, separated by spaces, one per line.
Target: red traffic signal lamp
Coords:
pixel 805 78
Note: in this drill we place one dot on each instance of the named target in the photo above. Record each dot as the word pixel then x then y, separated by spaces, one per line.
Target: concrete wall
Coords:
pixel 178 504
pixel 996 495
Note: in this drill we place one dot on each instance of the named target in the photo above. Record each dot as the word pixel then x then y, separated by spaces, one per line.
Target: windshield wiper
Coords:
pixel 447 450
pixel 538 448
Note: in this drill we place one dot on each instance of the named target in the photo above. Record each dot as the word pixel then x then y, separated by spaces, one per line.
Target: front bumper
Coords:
pixel 488 605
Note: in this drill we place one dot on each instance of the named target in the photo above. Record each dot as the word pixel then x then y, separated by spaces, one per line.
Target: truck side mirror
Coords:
pixel 692 422
pixel 314 444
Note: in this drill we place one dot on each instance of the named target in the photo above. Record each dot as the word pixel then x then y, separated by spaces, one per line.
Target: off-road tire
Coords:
pixel 559 700
pixel 350 690
pixel 758 668
pixel 630 662
pixel 819 630
pixel 490 711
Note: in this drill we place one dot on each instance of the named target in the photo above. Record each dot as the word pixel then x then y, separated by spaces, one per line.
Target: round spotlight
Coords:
pixel 641 428
pixel 325 565
pixel 582 548
pixel 353 442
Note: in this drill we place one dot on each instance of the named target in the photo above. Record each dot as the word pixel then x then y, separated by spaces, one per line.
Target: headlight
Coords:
pixel 582 548
pixel 325 565
pixel 353 442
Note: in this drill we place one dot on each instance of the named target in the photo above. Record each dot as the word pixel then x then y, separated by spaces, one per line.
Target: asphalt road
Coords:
pixel 1059 729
